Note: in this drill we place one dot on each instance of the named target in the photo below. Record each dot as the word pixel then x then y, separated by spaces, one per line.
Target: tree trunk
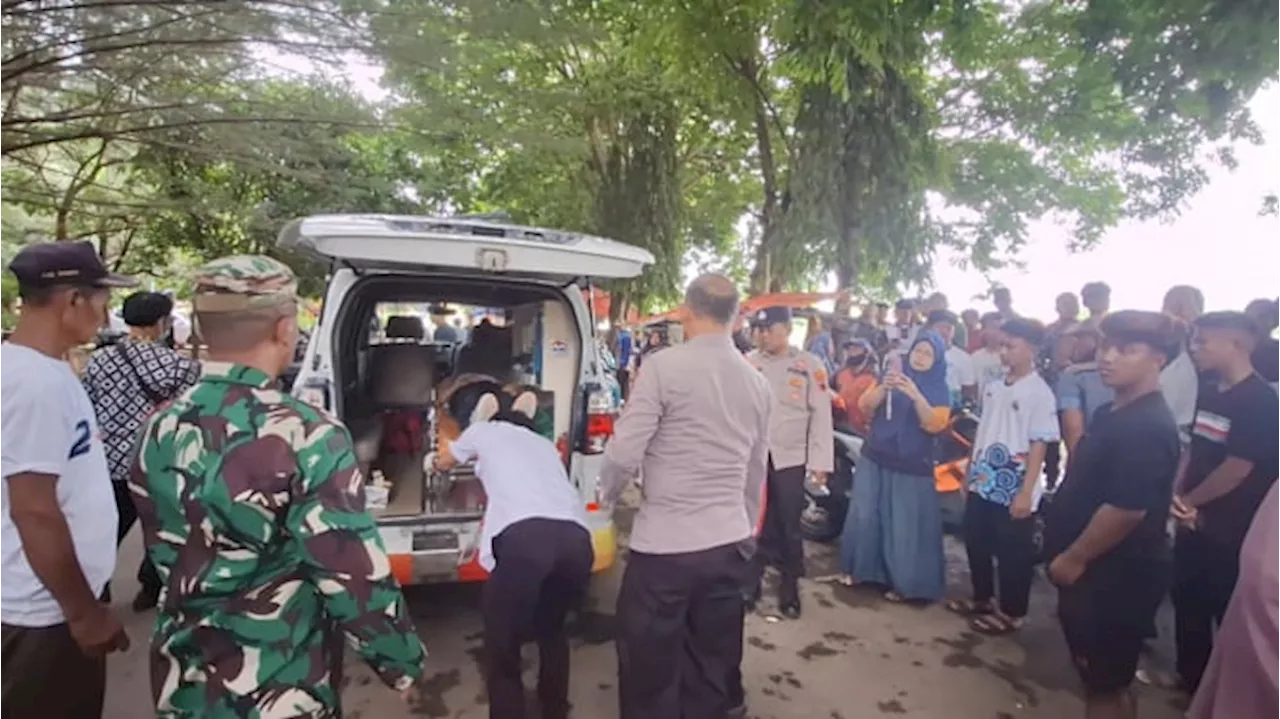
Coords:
pixel 762 274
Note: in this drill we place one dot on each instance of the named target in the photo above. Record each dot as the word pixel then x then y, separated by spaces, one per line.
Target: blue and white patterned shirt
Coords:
pixel 121 402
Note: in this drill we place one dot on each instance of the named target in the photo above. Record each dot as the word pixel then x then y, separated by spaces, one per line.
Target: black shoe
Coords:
pixel 791 610
pixel 146 599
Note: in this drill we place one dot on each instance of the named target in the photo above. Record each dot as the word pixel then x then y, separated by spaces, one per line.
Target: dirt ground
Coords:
pixel 851 655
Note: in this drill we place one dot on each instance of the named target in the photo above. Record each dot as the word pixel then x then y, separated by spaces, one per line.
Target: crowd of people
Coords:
pixel 262 561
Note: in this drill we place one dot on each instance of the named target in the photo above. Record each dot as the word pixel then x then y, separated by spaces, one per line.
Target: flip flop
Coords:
pixel 968 607
pixel 995 624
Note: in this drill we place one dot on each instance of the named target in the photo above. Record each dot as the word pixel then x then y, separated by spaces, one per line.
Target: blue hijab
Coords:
pixel 901 436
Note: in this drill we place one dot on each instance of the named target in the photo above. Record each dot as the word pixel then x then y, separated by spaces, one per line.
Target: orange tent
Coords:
pixel 794 300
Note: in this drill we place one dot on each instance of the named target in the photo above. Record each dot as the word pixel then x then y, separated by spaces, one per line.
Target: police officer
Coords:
pixel 253 511
pixel 800 442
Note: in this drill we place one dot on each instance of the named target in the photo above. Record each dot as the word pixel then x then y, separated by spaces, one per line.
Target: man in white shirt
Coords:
pixel 987 366
pixel 1180 382
pixel 1019 420
pixel 58 522
pixel 962 381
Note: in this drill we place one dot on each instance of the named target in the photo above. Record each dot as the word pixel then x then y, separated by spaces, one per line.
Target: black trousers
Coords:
pixel 780 541
pixel 541 570
pixel 1052 464
pixel 1204 576
pixel 998 546
pixel 128 514
pixel 1105 615
pixel 46 675
pixel 680 632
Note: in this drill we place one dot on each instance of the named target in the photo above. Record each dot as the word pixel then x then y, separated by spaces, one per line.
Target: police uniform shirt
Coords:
pixel 800 424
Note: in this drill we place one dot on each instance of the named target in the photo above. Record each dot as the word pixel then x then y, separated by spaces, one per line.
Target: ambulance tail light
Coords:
pixel 599 425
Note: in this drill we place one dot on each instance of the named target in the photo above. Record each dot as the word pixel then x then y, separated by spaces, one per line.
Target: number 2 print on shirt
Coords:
pixel 81 444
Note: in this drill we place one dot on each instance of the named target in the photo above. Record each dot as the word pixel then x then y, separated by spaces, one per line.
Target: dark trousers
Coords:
pixel 780 541
pixel 680 632
pixel 147 576
pixel 1052 464
pixel 999 546
pixel 624 380
pixel 541 570
pixel 1204 575
pixel 46 676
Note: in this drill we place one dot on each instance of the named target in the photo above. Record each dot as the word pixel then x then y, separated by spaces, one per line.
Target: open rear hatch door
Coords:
pixel 474 246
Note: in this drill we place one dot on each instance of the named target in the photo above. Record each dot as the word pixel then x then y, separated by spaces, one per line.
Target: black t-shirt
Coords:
pixel 1127 458
pixel 1266 359
pixel 1241 421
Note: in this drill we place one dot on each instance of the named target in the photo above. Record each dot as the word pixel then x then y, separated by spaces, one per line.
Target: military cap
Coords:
pixel 243 282
pixel 770 316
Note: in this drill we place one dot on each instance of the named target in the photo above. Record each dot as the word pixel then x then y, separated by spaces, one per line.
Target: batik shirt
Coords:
pixel 124 382
pixel 253 512
pixel 1013 416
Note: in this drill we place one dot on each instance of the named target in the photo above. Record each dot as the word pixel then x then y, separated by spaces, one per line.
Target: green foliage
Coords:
pixel 856 139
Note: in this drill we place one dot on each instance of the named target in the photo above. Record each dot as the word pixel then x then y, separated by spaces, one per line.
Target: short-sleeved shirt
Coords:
pixel 960 373
pixel 49 428
pixel 1240 421
pixel 1127 459
pixel 523 477
pixel 1080 388
pixel 1180 383
pixel 987 368
pixel 1013 416
pixel 125 381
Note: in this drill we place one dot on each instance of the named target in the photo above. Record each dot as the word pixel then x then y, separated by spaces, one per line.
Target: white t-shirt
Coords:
pixel 49 428
pixel 181 328
pixel 987 368
pixel 1013 416
pixel 523 476
pixel 960 372
pixel 1180 385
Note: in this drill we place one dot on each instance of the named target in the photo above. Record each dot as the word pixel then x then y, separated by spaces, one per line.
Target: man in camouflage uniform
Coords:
pixel 253 512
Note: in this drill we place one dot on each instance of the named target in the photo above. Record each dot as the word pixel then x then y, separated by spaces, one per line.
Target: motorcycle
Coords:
pixel 826 508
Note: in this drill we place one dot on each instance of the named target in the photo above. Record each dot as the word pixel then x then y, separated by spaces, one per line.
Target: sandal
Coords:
pixel 894 597
pixel 846 580
pixel 995 624
pixel 968 607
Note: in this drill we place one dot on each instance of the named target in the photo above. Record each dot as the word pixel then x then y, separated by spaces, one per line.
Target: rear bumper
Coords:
pixel 444 553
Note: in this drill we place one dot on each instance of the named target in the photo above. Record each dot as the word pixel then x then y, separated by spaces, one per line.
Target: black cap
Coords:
pixel 770 316
pixel 144 309
pixel 64 263
pixel 905 304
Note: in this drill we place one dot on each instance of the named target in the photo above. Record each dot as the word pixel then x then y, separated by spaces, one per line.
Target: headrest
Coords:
pixel 401 375
pixel 406 327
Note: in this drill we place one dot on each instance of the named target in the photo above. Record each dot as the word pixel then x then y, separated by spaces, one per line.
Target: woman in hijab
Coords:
pixel 893 533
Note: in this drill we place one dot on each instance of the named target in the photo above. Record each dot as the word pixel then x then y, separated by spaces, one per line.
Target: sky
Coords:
pixel 1218 243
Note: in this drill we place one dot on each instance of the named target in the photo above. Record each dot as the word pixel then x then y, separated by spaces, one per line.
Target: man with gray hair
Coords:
pixel 696 428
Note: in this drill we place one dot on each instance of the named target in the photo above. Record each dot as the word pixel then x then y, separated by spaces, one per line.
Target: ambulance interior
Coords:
pixel 392 372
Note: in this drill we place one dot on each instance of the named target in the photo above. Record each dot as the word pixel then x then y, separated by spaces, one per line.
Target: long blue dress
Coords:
pixel 893 532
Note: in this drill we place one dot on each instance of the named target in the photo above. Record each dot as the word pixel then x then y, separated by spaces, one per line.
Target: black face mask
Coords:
pixel 855 360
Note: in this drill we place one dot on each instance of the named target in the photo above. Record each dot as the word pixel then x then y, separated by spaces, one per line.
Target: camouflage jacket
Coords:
pixel 253 511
